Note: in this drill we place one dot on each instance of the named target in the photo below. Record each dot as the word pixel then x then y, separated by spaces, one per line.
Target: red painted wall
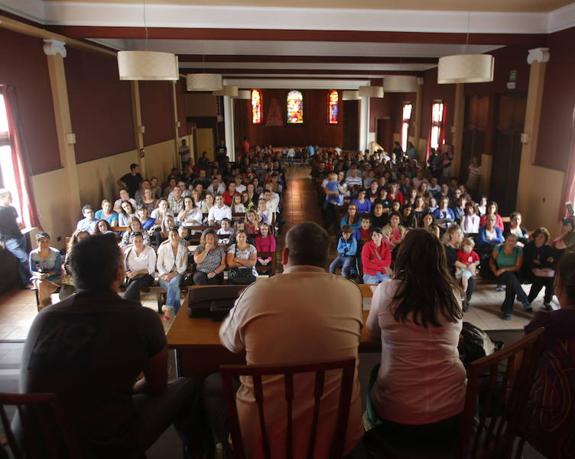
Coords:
pixel 315 128
pixel 24 66
pixel 157 111
pixel 433 91
pixel 100 105
pixel 555 134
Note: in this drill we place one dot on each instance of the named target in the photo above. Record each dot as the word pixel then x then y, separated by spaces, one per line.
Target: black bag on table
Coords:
pixel 212 301
pixel 241 276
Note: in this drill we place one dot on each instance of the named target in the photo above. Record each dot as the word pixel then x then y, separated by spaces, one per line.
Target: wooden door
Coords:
pixel 205 142
pixel 351 125
pixel 384 133
pixel 507 151
pixel 475 131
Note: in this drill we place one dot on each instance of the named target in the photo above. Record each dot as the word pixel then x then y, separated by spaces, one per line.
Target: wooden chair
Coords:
pixel 270 268
pixel 257 373
pixel 498 388
pixel 45 430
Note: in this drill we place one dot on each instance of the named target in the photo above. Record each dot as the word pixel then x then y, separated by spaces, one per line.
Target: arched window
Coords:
pixel 257 106
pixel 295 107
pixel 333 107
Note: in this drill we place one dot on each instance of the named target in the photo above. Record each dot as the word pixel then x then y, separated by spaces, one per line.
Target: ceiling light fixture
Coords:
pixel 147 65
pixel 350 95
pixel 466 68
pixel 229 91
pixel 371 91
pixel 400 83
pixel 245 94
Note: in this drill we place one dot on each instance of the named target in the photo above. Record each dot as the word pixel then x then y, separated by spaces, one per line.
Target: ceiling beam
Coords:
pixel 356 36
pixel 305 59
pixel 327 72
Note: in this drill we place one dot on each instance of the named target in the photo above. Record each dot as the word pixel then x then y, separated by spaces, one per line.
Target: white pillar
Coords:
pixel 229 127
pixel 363 123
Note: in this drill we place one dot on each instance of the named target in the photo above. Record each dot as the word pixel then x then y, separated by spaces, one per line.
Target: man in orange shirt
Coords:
pixel 304 315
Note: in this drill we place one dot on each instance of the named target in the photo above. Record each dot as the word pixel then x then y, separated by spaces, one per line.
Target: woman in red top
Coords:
pixel 376 258
pixel 265 242
pixel 395 193
pixel 492 210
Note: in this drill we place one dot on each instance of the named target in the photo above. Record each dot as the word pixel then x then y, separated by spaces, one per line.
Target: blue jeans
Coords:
pixel 172 291
pixel 377 278
pixel 345 262
pixel 17 247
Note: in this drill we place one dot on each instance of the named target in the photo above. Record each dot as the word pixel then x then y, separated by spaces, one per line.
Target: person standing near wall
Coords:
pixel 11 237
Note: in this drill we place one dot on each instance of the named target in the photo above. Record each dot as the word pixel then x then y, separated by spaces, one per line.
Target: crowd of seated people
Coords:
pixel 205 220
pixel 380 197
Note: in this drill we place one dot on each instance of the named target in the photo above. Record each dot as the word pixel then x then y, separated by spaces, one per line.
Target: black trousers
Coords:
pixel 537 285
pixel 201 278
pixel 179 405
pixel 134 286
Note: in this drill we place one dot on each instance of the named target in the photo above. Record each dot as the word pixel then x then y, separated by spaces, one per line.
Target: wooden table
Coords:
pixel 199 351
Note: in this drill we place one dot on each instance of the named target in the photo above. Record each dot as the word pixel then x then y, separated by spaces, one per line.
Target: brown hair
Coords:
pixel 427 287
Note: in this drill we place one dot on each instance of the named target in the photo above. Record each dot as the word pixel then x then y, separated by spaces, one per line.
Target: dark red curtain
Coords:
pixel 21 170
pixel 569 184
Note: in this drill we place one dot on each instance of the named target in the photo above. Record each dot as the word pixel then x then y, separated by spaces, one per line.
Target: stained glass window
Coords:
pixel 295 107
pixel 257 106
pixel 333 107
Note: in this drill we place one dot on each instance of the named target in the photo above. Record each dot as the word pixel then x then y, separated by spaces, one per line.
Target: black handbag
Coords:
pixel 241 276
pixel 213 302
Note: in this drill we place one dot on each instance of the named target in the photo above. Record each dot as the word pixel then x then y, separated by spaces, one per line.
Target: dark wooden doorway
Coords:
pixel 351 125
pixel 475 132
pixel 384 133
pixel 507 151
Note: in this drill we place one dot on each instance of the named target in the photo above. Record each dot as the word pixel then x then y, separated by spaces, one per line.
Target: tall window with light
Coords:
pixel 437 124
pixel 295 107
pixel 405 120
pixel 333 107
pixel 257 106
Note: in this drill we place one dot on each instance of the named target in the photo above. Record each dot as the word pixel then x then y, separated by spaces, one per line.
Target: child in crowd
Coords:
pixel 265 242
pixel 346 251
pixel 363 233
pixel 225 229
pixel 466 264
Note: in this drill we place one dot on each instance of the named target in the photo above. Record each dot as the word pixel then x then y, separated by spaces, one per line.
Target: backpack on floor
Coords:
pixel 474 344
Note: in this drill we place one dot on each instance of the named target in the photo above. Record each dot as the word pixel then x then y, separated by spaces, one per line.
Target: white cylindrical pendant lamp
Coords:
pixel 400 83
pixel 147 65
pixel 350 95
pixel 465 68
pixel 245 94
pixel 371 91
pixel 230 91
pixel 203 82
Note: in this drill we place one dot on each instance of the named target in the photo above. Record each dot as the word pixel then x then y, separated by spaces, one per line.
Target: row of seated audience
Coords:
pixel 161 237
pixel 381 197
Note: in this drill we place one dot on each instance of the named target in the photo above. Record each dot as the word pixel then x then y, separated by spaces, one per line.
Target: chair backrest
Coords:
pixel 498 388
pixel 270 268
pixel 257 373
pixel 45 433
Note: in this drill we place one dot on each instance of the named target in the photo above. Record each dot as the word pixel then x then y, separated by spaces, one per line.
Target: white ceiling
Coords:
pixel 498 17
pixel 453 5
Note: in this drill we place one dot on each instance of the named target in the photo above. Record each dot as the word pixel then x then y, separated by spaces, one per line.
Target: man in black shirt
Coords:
pixel 11 237
pixel 132 180
pixel 91 348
